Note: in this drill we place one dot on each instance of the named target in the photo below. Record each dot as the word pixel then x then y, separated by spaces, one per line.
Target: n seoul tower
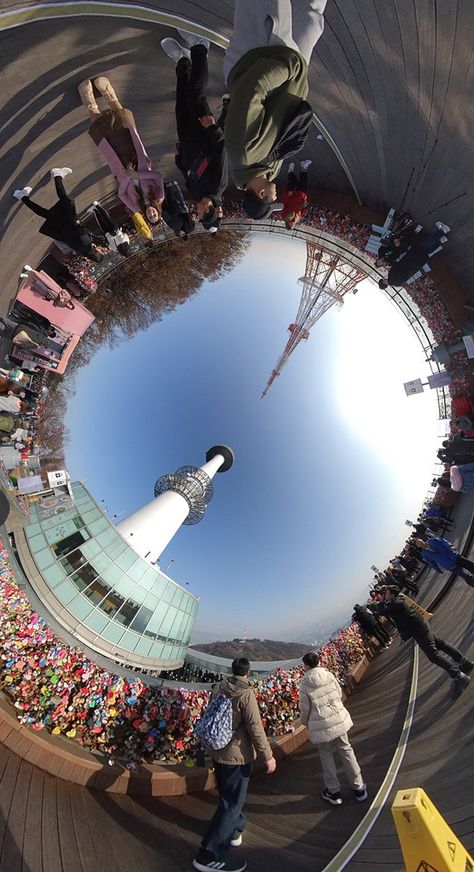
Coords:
pixel 181 497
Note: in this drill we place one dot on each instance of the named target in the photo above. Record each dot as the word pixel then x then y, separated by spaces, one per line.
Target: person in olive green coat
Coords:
pixel 266 69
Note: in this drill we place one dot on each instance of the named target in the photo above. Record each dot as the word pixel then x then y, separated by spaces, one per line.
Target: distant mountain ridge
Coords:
pixel 254 649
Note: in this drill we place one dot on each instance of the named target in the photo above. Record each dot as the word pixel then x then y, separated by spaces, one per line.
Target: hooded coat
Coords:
pixel 249 735
pixel 321 707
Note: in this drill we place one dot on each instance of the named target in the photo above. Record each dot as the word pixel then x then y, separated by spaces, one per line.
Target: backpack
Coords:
pixel 214 728
pixel 294 135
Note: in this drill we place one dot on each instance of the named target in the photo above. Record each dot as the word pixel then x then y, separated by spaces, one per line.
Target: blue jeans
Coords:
pixel 232 784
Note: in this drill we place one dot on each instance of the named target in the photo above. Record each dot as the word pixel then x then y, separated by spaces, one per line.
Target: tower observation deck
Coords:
pixel 327 279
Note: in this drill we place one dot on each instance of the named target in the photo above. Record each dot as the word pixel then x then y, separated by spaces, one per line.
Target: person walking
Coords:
pixel 440 554
pixel 296 196
pixel 266 70
pixel 200 154
pixel 232 767
pixel 114 132
pixel 369 623
pixel 328 722
pixel 175 211
pixel 411 625
pixel 61 221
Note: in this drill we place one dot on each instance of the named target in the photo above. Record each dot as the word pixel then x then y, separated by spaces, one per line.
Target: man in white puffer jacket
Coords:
pixel 328 723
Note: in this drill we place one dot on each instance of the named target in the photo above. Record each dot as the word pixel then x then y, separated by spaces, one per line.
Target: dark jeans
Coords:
pixel 468 565
pixel 295 184
pixel 191 100
pixel 379 632
pixel 433 647
pixel 232 784
pixel 104 220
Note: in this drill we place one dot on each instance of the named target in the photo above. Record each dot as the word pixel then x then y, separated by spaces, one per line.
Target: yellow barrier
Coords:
pixel 427 843
pixel 414 605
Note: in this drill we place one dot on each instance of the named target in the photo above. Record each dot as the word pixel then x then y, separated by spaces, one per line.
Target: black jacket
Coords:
pixel 205 149
pixel 173 207
pixel 408 622
pixel 365 618
pixel 403 269
pixel 61 225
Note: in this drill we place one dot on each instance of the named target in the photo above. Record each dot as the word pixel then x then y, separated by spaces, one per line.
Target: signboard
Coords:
pixel 57 477
pixel 439 379
pixel 469 344
pixel 413 387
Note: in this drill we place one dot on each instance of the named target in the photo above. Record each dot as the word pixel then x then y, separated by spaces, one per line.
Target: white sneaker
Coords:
pixel 236 839
pixel 305 165
pixel 21 192
pixel 445 228
pixel 191 39
pixel 291 167
pixel 62 172
pixel 174 50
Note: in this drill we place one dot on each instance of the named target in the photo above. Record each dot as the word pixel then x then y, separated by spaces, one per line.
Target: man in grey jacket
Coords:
pixel 232 767
pixel 328 722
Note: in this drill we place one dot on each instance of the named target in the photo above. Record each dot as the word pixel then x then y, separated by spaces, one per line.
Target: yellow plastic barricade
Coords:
pixel 427 843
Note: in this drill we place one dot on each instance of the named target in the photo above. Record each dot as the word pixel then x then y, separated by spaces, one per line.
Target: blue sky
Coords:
pixel 327 466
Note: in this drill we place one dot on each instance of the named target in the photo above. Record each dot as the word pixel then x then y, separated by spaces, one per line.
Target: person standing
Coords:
pixel 328 722
pixel 411 625
pixel 232 767
pixel 200 154
pixel 114 132
pixel 117 240
pixel 61 221
pixel 266 70
pixel 296 196
pixel 369 623
pixel 440 554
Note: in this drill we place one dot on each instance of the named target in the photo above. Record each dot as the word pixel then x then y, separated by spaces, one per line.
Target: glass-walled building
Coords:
pixel 99 588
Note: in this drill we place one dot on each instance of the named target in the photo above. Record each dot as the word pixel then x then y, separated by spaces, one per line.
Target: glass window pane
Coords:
pixel 96 591
pixel 116 546
pixel 73 561
pixel 44 558
pixel 54 575
pixel 112 632
pixel 177 597
pixel 141 619
pixel 84 577
pixel 69 543
pixel 158 615
pixel 168 593
pixel 127 559
pixel 98 526
pixel 167 622
pixel 96 621
pixel 127 612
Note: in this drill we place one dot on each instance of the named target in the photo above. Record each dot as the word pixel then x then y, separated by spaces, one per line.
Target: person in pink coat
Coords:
pixel 114 131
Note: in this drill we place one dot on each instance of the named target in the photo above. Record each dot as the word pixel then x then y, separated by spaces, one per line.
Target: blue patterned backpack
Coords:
pixel 214 728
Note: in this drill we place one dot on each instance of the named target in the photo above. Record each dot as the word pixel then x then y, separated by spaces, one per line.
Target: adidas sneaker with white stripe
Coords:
pixel 205 861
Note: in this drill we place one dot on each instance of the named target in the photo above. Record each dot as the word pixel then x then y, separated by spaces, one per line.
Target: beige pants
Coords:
pixel 349 760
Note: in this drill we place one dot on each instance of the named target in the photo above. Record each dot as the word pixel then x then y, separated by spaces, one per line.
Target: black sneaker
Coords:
pixel 334 798
pixel 467 667
pixel 459 684
pixel 206 860
pixel 361 795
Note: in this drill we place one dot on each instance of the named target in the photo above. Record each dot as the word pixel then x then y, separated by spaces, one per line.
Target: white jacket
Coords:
pixel 321 706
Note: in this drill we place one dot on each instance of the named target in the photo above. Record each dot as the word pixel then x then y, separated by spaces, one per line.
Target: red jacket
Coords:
pixel 293 201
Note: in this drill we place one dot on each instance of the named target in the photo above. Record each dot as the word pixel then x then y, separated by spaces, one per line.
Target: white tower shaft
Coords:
pixel 151 528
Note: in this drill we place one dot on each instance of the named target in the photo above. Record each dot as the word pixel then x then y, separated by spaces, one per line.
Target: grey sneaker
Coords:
pixel 174 50
pixel 305 165
pixel 192 39
pixel 22 192
pixel 62 172
pixel 445 228
pixel 334 798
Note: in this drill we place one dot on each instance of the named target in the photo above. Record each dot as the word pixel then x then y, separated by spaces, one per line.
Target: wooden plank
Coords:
pixel 33 834
pixel 12 842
